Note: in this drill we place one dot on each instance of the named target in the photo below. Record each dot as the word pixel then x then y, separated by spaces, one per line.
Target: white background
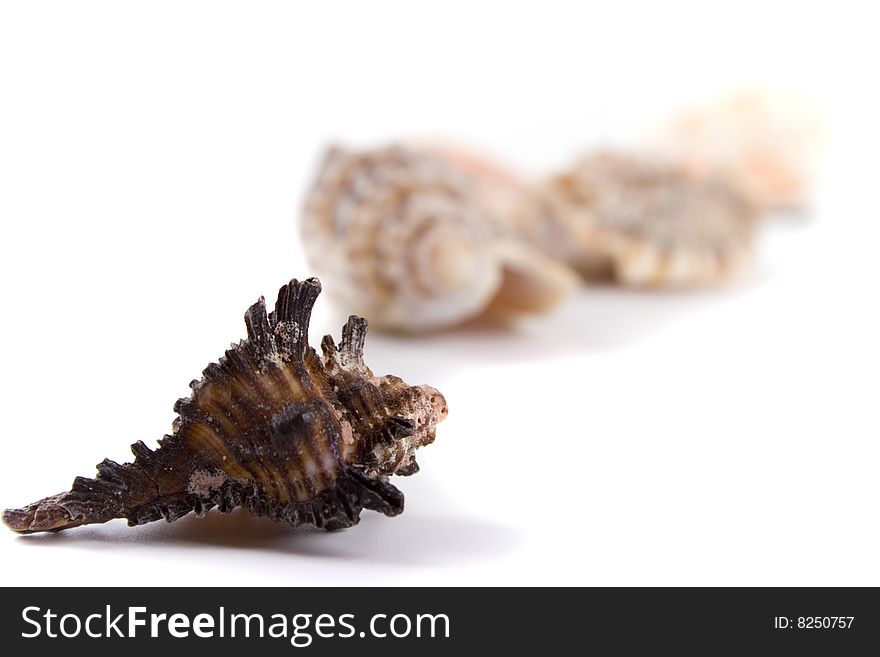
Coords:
pixel 152 161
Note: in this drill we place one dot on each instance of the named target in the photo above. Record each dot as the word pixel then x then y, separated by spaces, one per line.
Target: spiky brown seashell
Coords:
pixel 405 237
pixel 272 427
pixel 642 221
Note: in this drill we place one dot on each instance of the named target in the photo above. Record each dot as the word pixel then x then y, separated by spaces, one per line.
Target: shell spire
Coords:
pixel 271 427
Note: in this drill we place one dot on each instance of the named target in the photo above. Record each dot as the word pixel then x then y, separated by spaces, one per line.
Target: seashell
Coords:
pixel 768 143
pixel 640 221
pixel 405 238
pixel 271 427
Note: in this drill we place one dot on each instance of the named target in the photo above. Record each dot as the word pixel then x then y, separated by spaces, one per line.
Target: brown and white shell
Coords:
pixel 406 238
pixel 272 427
pixel 640 221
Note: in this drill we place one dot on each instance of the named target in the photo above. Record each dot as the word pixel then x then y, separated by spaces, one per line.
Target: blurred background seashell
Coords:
pixel 408 238
pixel 639 221
pixel 768 142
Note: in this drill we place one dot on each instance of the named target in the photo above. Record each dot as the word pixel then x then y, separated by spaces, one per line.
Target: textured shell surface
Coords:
pixel 273 427
pixel 406 238
pixel 640 220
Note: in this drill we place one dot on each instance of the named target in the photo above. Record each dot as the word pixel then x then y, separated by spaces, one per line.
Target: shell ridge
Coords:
pixel 290 321
pixel 351 348
pixel 255 406
pixel 259 332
